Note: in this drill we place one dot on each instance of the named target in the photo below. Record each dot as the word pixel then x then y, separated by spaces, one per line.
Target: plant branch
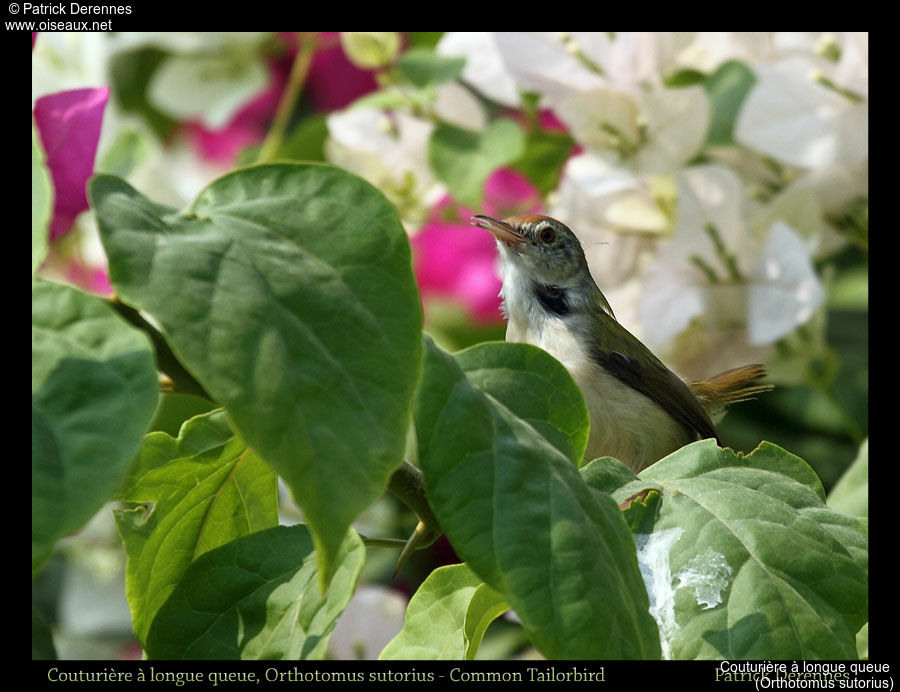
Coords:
pixel 306 48
pixel 181 380
pixel 383 542
pixel 408 485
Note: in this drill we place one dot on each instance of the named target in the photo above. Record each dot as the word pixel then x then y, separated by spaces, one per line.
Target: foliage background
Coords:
pixel 717 181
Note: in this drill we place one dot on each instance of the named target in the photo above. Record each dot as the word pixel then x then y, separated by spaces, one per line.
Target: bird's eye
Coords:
pixel 547 234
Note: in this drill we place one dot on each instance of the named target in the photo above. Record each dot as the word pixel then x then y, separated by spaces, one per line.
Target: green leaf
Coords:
pixel 862 642
pixel 125 152
pixel 423 39
pixel 306 142
pixel 727 88
pixel 130 73
pixel 93 393
pixel 186 496
pixel 850 494
pixel 684 78
pixel 516 510
pixel 446 617
pixel 535 387
pixel 394 97
pixel 370 49
pixel 543 158
pixel 287 290
pixel 41 203
pixel 42 648
pixel 256 598
pixel 464 159
pixel 422 67
pixel 744 560
pixel 607 474
pixel 175 409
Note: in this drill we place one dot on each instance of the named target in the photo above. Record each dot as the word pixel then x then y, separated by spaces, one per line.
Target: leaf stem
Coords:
pixel 306 48
pixel 383 542
pixel 180 380
pixel 408 485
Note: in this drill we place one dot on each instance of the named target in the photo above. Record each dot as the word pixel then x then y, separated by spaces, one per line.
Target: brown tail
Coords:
pixel 730 387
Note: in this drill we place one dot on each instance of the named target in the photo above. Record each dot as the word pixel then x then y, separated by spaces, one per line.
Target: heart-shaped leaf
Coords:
pixel 516 510
pixel 447 616
pixel 287 290
pixel 534 386
pixel 743 559
pixel 186 496
pixel 256 597
pixel 851 493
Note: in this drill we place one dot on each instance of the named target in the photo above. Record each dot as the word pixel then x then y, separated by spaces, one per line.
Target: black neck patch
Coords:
pixel 553 299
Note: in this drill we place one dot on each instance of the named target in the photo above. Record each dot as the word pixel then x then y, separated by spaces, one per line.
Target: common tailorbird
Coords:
pixel 640 411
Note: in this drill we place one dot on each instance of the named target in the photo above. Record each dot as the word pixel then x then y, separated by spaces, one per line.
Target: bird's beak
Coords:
pixel 499 229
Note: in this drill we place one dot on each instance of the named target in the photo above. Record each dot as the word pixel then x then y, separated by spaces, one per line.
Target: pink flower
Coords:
pixel 33 37
pixel 246 127
pixel 93 279
pixel 332 82
pixel 69 126
pixel 455 260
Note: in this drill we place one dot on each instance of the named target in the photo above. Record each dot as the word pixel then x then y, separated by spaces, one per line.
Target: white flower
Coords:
pixel 485 68
pixel 209 88
pixel 596 195
pixel 600 119
pixel 711 48
pixel 793 117
pixel 62 61
pixel 631 59
pixel 676 286
pixel 541 62
pixel 785 290
pixel 390 151
pixel 733 286
pixel 852 72
pixel 676 124
pixel 457 105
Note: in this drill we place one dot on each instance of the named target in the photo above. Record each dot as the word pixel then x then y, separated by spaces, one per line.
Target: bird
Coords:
pixel 640 411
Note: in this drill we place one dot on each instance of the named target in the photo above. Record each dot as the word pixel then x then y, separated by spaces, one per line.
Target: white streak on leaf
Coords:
pixel 653 559
pixel 709 573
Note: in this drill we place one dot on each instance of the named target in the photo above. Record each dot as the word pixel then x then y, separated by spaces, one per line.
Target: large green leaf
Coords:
pixel 543 157
pixel 850 494
pixel 93 393
pixel 287 290
pixel 130 73
pixel 256 597
pixel 446 617
pixel 42 648
pixel 41 203
pixel 727 88
pixel 464 159
pixel 422 67
pixel 743 560
pixel 516 510
pixel 186 496
pixel 534 386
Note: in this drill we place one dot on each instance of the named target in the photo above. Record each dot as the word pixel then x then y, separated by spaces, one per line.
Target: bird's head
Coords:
pixel 542 247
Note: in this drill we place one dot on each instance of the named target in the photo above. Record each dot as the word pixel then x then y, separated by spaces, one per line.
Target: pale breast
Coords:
pixel 625 424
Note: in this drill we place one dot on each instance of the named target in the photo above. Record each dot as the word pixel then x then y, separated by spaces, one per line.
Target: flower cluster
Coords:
pixel 704 173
